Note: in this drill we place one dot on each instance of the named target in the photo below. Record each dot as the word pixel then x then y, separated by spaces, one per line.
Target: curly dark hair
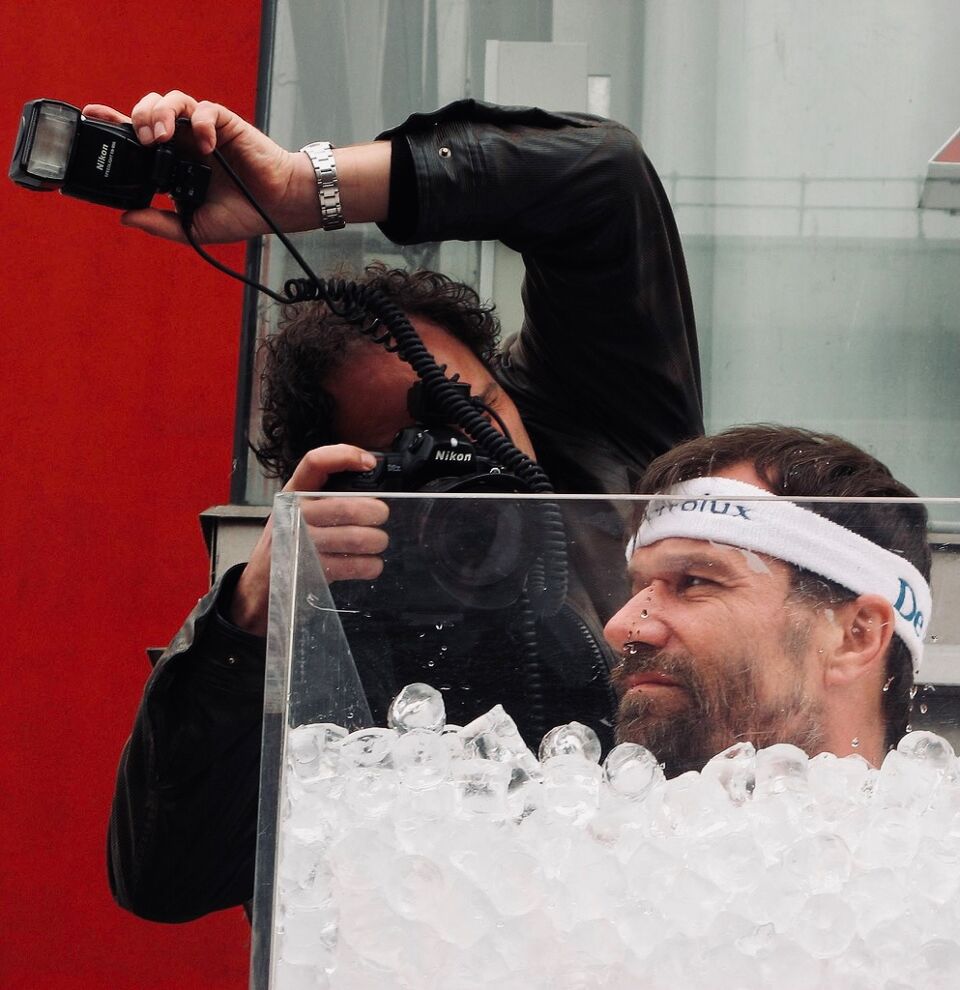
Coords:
pixel 297 410
pixel 798 462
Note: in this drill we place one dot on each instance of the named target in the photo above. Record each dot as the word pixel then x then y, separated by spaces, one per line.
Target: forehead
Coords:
pixel 370 387
pixel 676 555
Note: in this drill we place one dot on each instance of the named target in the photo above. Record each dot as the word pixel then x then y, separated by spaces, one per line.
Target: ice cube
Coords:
pixel 359 857
pixel 781 767
pixel 632 771
pixel 907 782
pixel 824 926
pixel 571 739
pixel 838 785
pixel 481 787
pixel 732 860
pixel 890 839
pixel 303 871
pixel 413 885
pixel 417 706
pixel 874 896
pixel 312 748
pixel 309 934
pixel 292 976
pixel 494 736
pixel 422 758
pixel 451 735
pixel 735 769
pixel 940 964
pixel 691 902
pixel 930 750
pixel 366 748
pixel 694 806
pixel 464 914
pixel 821 862
pixel 371 793
pixel 571 786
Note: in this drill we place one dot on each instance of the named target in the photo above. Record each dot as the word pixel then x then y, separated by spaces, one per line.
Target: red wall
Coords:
pixel 118 357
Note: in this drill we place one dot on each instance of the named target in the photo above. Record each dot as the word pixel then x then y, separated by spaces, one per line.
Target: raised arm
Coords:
pixel 609 338
pixel 607 355
pixel 284 182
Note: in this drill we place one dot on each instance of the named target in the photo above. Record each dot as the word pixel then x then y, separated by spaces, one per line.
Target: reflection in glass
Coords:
pixel 792 143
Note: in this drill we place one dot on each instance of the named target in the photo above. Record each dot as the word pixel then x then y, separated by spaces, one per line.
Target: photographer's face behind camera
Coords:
pixel 370 389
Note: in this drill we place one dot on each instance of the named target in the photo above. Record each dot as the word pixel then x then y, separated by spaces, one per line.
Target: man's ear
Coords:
pixel 865 627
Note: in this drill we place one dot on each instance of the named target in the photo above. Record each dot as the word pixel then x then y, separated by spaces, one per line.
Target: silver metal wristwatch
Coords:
pixel 321 157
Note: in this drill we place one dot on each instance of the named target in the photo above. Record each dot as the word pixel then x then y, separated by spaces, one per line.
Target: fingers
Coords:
pixel 99 111
pixel 347 536
pixel 339 568
pixel 208 121
pixel 154 117
pixel 345 529
pixel 315 468
pixel 350 553
pixel 344 510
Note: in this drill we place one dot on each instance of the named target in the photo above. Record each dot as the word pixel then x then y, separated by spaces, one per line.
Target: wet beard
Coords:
pixel 685 732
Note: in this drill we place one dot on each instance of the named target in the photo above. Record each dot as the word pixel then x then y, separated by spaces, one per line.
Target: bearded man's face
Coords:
pixel 713 650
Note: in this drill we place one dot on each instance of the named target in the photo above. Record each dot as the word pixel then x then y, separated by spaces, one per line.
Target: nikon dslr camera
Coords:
pixel 453 551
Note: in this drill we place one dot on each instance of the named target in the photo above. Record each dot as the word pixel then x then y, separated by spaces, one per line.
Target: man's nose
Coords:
pixel 639 621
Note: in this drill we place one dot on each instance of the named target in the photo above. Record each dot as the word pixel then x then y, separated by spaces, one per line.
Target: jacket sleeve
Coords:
pixel 605 369
pixel 182 832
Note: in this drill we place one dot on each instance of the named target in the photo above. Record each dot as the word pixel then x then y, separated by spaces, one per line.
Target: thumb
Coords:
pixel 159 223
pixel 99 111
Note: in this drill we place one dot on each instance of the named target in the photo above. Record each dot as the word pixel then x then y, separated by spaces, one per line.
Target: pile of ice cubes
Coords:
pixel 434 857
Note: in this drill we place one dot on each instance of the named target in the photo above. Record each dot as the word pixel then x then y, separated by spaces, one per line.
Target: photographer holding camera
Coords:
pixel 602 377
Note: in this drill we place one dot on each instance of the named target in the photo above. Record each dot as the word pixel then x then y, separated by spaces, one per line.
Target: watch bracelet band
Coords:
pixel 324 165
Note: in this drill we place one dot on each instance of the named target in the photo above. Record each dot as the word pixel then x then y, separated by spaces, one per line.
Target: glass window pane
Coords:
pixel 792 138
pixel 400 842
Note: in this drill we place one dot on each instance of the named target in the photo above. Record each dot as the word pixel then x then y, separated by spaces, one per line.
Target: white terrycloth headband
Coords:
pixel 714 509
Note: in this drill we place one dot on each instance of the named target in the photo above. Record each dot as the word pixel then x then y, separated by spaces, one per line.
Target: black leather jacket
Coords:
pixel 605 375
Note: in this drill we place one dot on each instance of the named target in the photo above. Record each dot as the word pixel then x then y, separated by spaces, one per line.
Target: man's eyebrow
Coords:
pixel 490 392
pixel 679 563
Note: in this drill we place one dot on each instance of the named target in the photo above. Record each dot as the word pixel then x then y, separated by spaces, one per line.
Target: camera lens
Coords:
pixel 479 550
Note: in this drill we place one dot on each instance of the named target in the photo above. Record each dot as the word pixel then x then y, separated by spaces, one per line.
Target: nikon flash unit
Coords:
pixel 58 148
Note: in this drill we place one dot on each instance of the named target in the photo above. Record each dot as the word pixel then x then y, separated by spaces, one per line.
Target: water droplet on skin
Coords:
pixel 929 688
pixel 886 687
pixel 913 692
pixel 909 727
pixel 431 663
pixel 644 614
pixel 443 649
pixel 439 626
pixel 923 708
pixel 854 743
pixel 933 639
